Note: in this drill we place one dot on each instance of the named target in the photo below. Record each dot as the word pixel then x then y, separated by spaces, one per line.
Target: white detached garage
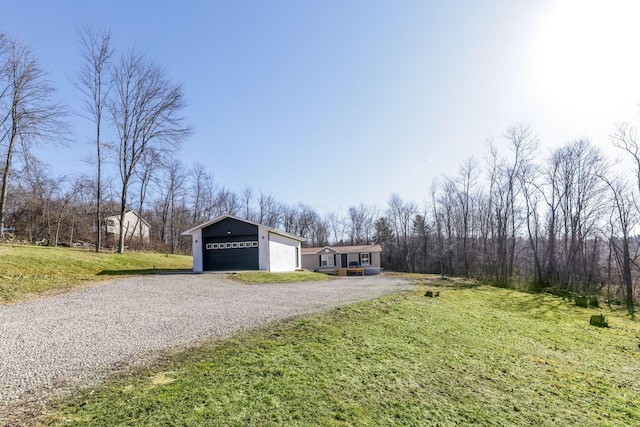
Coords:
pixel 227 243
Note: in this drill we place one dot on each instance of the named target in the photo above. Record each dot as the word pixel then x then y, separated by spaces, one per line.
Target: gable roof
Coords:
pixel 343 249
pixel 190 231
pixel 307 251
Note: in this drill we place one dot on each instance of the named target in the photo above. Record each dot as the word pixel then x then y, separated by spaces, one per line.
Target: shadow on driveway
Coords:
pixel 143 272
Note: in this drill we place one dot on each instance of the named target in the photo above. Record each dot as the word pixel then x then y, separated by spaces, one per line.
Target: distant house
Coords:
pixel 227 243
pixel 338 259
pixel 134 225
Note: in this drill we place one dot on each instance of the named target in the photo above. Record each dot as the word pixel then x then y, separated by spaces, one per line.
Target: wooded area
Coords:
pixel 565 219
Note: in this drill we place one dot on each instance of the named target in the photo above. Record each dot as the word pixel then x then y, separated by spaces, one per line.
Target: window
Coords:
pixel 214 246
pixel 326 260
pixel 241 244
pixel 228 245
pixel 364 259
pixel 234 245
pixel 254 243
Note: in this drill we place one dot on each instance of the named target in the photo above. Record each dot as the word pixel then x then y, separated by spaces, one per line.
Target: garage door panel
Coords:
pixel 219 256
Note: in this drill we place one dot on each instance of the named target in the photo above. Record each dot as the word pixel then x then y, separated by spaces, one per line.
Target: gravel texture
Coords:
pixel 53 345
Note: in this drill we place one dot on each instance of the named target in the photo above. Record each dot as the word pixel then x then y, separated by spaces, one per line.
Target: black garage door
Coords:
pixel 230 245
pixel 228 254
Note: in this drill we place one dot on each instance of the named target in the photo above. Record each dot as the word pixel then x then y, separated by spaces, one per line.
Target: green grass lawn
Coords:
pixel 476 355
pixel 28 270
pixel 266 277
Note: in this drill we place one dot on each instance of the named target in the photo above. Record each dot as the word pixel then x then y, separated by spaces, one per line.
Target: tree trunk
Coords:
pixel 99 202
pixel 123 202
pixel 626 276
pixel 7 169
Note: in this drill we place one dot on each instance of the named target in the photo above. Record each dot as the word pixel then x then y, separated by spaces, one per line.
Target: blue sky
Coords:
pixel 334 103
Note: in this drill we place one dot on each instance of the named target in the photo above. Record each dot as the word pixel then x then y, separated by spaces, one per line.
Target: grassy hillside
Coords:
pixel 472 356
pixel 27 270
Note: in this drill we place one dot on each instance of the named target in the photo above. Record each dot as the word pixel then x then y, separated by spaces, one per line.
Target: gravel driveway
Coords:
pixel 54 344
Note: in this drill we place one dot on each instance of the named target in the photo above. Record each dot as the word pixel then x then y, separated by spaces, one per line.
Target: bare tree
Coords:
pixel 361 221
pixel 93 82
pixel 65 200
pixel 579 190
pixel 202 191
pixel 532 196
pixel 247 197
pixel 36 192
pixel 622 221
pixel 446 217
pixel 146 110
pixel 145 174
pixel 401 215
pixel 306 219
pixel 523 145
pixel 225 202
pixel 502 208
pixel 27 112
pixel 320 233
pixel 625 138
pixel 463 191
pixel 81 205
pixel 268 210
pixel 337 226
pixel 438 225
pixel 289 216
pixel 175 187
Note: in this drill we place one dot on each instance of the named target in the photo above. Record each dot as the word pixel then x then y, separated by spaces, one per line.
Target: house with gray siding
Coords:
pixel 340 259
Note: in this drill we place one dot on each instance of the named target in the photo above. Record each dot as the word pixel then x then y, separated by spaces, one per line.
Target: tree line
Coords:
pixel 136 112
pixel 566 219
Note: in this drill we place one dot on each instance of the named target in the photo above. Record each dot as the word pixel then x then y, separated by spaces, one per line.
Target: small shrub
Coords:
pixel 599 321
pixel 587 301
pixel 582 301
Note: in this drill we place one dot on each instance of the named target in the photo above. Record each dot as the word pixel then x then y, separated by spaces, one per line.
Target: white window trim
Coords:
pixel 326 260
pixel 362 257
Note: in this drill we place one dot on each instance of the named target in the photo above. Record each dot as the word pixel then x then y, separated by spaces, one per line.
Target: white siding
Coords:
pixel 282 253
pixel 263 248
pixel 196 250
